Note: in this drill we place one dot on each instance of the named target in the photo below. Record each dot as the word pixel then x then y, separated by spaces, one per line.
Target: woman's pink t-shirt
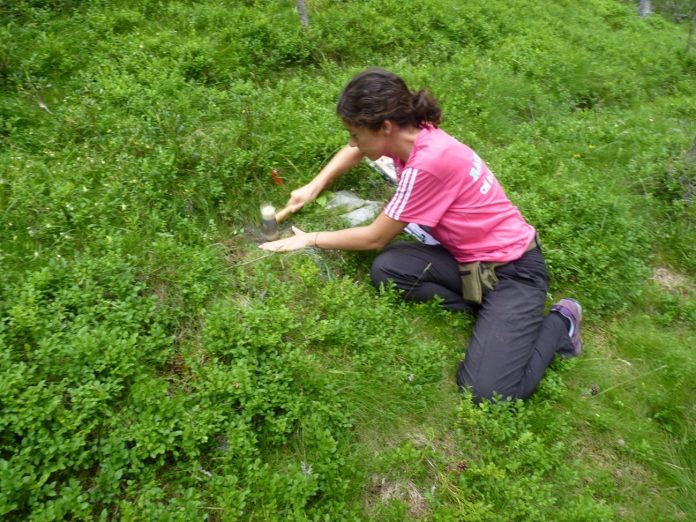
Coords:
pixel 445 186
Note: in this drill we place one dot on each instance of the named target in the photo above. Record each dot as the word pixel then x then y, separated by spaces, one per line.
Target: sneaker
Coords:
pixel 572 310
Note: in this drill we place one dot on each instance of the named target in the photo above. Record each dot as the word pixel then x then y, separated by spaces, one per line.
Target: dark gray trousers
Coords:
pixel 513 342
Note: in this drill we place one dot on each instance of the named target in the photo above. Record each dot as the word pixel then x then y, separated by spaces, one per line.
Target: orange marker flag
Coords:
pixel 275 177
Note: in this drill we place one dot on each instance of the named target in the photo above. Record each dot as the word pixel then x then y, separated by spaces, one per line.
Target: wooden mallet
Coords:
pixel 270 220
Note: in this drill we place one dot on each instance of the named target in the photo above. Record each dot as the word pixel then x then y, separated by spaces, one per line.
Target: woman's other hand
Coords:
pixel 298 240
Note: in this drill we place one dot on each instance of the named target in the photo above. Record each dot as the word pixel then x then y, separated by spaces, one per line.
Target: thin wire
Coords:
pixel 627 381
pixel 418 280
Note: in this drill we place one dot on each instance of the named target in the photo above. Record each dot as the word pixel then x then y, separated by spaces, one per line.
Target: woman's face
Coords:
pixel 372 144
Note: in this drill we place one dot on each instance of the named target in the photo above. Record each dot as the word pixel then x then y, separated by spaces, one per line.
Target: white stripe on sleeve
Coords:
pixel 408 181
pixel 395 202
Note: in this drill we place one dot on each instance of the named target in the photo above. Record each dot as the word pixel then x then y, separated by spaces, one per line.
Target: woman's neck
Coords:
pixel 404 140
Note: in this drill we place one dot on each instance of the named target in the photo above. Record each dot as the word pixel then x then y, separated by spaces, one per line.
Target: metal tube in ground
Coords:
pixel 269 225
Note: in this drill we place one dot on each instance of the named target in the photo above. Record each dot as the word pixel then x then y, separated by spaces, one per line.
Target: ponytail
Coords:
pixel 375 96
pixel 425 109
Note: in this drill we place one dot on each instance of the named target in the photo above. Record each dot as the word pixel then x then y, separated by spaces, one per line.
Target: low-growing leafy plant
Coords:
pixel 154 364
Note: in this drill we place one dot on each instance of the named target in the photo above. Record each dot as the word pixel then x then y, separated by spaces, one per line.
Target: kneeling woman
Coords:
pixel 445 187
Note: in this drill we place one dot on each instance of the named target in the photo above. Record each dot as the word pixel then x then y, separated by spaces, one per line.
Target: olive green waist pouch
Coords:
pixel 478 278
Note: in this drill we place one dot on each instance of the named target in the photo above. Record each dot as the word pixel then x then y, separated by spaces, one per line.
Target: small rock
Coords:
pixel 364 214
pixel 345 200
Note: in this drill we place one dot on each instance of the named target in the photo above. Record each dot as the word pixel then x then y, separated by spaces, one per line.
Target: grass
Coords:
pixel 156 365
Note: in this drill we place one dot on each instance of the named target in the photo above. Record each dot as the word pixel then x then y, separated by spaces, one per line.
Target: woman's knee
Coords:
pixel 478 391
pixel 380 272
pixel 482 388
pixel 389 265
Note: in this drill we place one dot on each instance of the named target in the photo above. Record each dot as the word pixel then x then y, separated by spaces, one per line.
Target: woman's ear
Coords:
pixel 387 127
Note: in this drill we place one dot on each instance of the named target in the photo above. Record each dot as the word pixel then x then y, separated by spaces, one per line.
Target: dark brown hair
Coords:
pixel 376 95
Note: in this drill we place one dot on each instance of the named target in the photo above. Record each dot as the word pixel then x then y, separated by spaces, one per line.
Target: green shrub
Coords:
pixel 156 365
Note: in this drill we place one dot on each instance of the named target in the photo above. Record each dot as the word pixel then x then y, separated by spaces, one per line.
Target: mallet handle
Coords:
pixel 282 215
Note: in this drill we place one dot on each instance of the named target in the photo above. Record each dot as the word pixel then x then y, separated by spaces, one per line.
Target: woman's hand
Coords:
pixel 301 196
pixel 369 237
pixel 343 160
pixel 299 240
